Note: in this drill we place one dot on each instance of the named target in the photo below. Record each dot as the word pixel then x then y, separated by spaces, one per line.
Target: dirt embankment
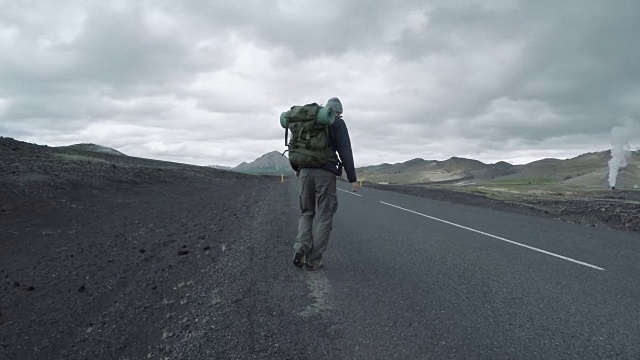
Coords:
pixel 106 256
pixel 618 209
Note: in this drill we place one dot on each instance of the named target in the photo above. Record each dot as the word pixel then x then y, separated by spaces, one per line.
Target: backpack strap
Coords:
pixel 286 139
pixel 286 136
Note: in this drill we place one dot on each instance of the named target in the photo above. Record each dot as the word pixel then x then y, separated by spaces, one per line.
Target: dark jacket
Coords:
pixel 340 142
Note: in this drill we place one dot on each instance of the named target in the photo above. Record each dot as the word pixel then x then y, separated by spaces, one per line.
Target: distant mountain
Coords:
pixel 589 169
pixel 564 169
pixel 269 163
pixel 93 148
pixel 417 171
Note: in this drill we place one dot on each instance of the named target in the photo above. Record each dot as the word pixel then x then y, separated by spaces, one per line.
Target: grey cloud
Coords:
pixel 427 76
pixel 112 51
pixel 576 58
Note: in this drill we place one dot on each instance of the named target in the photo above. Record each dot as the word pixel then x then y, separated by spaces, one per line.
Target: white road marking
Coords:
pixel 350 192
pixel 499 238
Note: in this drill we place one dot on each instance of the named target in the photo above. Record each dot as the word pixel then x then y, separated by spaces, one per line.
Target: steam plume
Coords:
pixel 621 151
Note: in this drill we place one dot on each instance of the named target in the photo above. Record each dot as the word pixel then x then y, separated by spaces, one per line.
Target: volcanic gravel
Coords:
pixel 105 256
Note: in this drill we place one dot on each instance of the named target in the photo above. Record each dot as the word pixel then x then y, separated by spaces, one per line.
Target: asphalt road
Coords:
pixel 199 267
pixel 412 278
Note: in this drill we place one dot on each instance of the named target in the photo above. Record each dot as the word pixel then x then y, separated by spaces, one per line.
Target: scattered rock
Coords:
pixel 183 252
pixel 31 288
pixel 82 289
pixel 16 284
pixel 206 248
pixel 142 251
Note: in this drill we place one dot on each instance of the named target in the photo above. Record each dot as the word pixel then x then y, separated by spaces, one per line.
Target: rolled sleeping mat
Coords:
pixel 326 116
pixel 284 119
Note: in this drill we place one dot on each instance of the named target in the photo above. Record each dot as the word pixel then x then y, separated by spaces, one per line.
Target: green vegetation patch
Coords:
pixel 524 181
pixel 80 158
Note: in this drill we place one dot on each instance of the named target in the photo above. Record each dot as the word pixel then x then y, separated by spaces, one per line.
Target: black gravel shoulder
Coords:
pixel 116 257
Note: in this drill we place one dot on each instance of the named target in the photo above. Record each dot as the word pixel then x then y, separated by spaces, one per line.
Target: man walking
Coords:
pixel 318 187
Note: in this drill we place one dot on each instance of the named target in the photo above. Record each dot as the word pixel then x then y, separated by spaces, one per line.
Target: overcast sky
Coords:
pixel 204 82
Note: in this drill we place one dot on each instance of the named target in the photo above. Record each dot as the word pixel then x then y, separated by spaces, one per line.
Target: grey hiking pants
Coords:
pixel 318 201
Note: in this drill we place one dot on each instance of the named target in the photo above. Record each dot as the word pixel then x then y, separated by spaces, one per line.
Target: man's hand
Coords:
pixel 355 186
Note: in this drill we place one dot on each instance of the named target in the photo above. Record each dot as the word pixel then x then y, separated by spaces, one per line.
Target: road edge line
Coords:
pixel 499 238
pixel 349 192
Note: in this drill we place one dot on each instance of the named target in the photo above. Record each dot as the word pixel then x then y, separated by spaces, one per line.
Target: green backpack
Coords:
pixel 309 143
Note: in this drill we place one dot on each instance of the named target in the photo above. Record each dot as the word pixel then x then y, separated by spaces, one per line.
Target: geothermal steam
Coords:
pixel 620 137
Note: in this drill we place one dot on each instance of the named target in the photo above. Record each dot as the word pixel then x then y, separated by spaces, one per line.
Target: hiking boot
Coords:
pixel 298 258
